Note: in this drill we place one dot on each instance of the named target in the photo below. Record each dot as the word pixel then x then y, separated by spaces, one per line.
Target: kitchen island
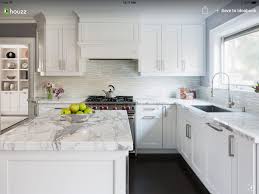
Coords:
pixel 50 156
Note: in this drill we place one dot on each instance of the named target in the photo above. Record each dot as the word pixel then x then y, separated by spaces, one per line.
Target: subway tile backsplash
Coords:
pixel 123 75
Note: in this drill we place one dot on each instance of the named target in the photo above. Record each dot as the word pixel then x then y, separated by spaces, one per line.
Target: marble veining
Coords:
pixel 104 131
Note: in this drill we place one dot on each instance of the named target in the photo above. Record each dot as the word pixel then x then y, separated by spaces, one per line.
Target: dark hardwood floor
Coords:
pixel 163 174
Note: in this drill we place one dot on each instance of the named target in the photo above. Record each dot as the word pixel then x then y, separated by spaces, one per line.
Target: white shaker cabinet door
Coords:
pixel 69 61
pixel 192 50
pixel 5 102
pixel 14 102
pixel 171 40
pixel 23 103
pixel 219 161
pixel 149 128
pixel 244 166
pixel 169 126
pixel 150 49
pixel 54 48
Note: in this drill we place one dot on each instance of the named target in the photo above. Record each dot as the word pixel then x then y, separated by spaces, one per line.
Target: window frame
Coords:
pixel 232 36
pixel 216 42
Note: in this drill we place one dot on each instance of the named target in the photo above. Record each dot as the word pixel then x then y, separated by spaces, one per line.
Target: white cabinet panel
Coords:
pixel 53 48
pixel 23 103
pixel 69 49
pixel 244 167
pixel 14 102
pixel 171 39
pixel 149 127
pixel 187 141
pixel 199 150
pixel 103 32
pixel 219 162
pixel 5 102
pixel 150 49
pixel 169 127
pixel 193 49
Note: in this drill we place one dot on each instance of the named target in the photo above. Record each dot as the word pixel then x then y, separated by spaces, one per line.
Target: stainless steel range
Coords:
pixel 116 103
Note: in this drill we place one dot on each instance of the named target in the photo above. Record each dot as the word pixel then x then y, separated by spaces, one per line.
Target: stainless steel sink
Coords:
pixel 211 108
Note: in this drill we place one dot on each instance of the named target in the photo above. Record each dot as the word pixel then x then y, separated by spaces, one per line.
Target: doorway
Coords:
pixel 17 60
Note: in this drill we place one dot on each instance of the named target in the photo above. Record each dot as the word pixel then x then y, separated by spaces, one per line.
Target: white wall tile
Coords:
pixel 123 75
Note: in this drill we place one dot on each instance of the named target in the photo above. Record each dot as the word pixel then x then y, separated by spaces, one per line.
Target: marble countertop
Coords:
pixel 104 131
pixel 246 124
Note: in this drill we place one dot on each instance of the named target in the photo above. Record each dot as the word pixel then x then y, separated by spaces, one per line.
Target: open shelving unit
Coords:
pixel 21 74
pixel 14 92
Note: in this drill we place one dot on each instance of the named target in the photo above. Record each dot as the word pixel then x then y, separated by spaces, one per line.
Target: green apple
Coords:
pixel 88 110
pixel 82 106
pixel 79 113
pixel 74 108
pixel 65 111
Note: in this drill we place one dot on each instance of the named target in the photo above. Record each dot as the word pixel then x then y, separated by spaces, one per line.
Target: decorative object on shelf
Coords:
pixel 58 92
pixel 11 77
pixel 10 55
pixel 12 86
pixel 24 66
pixel 26 53
pixel 11 65
pixel 256 87
pixel 6 86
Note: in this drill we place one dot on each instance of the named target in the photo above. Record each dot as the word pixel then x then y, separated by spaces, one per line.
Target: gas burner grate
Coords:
pixel 120 99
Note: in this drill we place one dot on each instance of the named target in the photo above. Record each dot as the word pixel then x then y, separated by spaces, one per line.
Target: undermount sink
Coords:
pixel 211 108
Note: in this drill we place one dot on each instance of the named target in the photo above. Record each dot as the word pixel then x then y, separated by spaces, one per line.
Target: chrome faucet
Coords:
pixel 230 101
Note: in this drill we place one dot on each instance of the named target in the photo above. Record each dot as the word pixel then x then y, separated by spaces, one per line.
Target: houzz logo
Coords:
pixel 9 11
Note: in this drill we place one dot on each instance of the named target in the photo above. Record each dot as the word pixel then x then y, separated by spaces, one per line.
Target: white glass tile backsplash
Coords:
pixel 123 75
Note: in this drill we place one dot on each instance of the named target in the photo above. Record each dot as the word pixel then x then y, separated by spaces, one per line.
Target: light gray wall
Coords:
pixel 123 75
pixel 18 30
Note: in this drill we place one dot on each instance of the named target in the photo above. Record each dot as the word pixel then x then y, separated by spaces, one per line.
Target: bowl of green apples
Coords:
pixel 77 113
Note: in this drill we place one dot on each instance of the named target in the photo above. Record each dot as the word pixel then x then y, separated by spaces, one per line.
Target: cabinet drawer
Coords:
pixel 150 109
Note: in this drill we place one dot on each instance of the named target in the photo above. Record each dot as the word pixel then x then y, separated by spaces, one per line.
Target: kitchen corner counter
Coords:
pixel 242 123
pixel 104 131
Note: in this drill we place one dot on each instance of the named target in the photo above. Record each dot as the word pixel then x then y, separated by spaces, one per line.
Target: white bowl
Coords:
pixel 77 118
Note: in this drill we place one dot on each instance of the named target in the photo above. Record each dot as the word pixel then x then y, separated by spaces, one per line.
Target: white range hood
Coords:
pixel 107 38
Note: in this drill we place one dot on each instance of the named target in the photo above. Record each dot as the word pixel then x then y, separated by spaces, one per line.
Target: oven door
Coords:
pixel 132 128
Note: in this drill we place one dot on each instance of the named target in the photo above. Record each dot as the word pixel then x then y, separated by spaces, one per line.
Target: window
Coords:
pixel 241 57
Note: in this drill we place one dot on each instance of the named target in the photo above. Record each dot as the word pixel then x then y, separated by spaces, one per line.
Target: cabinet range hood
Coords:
pixel 106 38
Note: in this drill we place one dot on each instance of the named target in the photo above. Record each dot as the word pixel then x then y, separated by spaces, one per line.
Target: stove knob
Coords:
pixel 95 108
pixel 132 108
pixel 101 108
pixel 105 108
pixel 123 108
pixel 115 108
pixel 127 108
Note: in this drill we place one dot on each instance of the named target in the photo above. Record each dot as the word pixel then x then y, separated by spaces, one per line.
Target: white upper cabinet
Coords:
pixel 171 39
pixel 192 60
pixel 150 49
pixel 171 50
pixel 114 39
pixel 57 46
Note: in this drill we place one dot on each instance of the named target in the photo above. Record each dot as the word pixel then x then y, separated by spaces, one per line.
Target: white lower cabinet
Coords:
pixel 155 127
pixel 169 127
pixel 219 161
pixel 14 103
pixel 224 161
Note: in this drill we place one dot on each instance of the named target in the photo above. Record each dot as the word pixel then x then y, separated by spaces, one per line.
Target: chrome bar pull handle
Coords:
pixel 231 146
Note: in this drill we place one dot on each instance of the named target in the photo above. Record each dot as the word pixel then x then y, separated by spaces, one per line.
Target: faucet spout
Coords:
pixel 230 101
